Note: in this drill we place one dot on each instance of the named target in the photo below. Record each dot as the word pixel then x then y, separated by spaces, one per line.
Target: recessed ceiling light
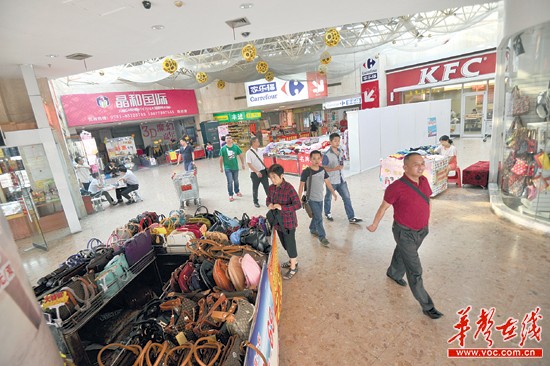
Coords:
pixel 157 27
pixel 246 5
pixel 52 56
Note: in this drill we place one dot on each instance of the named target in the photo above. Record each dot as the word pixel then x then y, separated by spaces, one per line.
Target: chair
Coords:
pixel 457 176
pixel 97 202
pixel 135 196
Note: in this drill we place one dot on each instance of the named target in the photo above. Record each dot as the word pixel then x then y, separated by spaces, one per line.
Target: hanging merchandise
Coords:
pixel 201 77
pixel 269 76
pixel 249 52
pixel 332 37
pixel 220 84
pixel 90 147
pixel 262 67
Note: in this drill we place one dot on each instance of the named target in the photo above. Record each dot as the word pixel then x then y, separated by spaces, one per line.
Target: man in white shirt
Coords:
pixel 132 184
pixel 258 171
pixel 96 189
pixel 83 172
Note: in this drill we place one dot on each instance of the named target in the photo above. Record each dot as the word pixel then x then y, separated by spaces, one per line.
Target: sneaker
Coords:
pixel 120 201
pixel 325 242
pixel 257 205
pixel 314 233
pixel 231 199
pixel 329 217
pixel 355 220
pixel 239 194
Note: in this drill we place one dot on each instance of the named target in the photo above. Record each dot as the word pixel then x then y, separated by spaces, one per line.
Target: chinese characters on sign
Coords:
pixel 529 329
pixel 165 131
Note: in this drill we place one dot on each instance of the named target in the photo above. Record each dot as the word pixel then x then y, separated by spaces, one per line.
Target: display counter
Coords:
pixel 391 169
pixel 289 163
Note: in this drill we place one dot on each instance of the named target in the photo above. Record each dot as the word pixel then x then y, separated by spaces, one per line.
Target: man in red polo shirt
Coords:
pixel 409 197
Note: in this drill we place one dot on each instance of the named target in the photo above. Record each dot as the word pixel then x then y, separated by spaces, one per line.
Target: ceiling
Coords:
pixel 116 32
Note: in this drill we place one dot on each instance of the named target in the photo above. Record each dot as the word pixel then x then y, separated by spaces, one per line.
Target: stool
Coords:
pixel 135 196
pixel 455 178
pixel 97 202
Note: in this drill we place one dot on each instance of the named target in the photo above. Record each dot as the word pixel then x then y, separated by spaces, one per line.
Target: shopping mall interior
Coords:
pixel 487 247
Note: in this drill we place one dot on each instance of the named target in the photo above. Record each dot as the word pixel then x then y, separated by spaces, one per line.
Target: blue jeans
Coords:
pixel 210 154
pixel 232 181
pixel 188 166
pixel 343 191
pixel 316 225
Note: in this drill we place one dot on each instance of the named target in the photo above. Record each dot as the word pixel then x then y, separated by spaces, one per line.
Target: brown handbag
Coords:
pixel 221 276
pixel 236 273
pixel 217 237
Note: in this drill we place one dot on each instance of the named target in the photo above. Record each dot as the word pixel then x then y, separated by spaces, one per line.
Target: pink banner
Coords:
pixel 91 109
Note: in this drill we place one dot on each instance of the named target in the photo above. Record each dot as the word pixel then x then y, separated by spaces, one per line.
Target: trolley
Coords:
pixel 187 188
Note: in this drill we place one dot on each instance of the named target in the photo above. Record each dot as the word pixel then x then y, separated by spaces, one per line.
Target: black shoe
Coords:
pixel 329 217
pixel 130 202
pixel 355 220
pixel 433 313
pixel 114 203
pixel 119 201
pixel 257 205
pixel 400 282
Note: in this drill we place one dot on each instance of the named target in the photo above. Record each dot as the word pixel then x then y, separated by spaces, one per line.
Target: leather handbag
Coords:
pixel 200 220
pixel 102 256
pixel 185 276
pixel 227 222
pixel 137 247
pixel 207 215
pixel 236 273
pixel 235 237
pixel 251 270
pixel 217 237
pixel 221 276
pixel 177 241
pixel 232 353
pixel 206 273
pixel 113 277
pixel 256 239
pixel 239 324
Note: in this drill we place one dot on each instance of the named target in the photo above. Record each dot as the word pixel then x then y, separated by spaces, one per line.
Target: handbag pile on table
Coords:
pixel 204 313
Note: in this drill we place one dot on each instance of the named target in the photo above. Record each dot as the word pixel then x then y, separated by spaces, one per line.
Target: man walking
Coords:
pixel 230 164
pixel 333 162
pixel 186 154
pixel 409 197
pixel 258 170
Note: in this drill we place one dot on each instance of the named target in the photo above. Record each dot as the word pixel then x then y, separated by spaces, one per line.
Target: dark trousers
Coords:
pixel 123 192
pixel 86 185
pixel 104 194
pixel 256 183
pixel 288 240
pixel 405 260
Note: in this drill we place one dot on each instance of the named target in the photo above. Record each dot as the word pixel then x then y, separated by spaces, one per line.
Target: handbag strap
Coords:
pixel 261 160
pixel 308 185
pixel 256 349
pixel 404 180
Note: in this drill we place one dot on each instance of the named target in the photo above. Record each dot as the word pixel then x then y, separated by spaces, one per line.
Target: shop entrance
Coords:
pixel 473 110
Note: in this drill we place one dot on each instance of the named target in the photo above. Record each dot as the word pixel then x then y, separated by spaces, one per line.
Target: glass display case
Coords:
pixel 524 165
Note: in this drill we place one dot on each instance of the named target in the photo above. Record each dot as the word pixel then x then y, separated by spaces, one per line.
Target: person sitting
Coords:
pixel 96 189
pixel 131 182
pixel 447 149
pixel 111 169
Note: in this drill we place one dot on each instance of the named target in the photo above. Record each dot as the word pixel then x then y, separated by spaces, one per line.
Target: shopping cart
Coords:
pixel 187 188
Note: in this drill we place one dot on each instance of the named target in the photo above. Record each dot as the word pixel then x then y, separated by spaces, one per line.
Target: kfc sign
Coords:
pixel 459 70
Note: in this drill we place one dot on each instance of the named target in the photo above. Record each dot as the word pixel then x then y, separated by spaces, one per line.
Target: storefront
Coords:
pixel 241 125
pixel 336 111
pixel 520 166
pixel 467 80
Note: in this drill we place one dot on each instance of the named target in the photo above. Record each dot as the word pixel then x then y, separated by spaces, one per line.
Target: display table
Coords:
pixel 269 161
pixel 289 163
pixel 391 169
pixel 199 153
pixel 476 174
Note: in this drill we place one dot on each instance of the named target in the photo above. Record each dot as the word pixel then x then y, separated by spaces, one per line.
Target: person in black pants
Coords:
pixel 132 184
pixel 258 170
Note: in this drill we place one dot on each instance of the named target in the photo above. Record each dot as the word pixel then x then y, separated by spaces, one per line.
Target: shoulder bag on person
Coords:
pixel 261 160
pixel 305 199
pixel 404 180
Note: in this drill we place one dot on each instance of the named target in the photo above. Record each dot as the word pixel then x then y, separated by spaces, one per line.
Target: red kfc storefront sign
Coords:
pixel 450 71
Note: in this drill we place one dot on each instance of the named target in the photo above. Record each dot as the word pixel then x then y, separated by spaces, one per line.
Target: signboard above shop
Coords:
pixel 91 109
pixel 342 103
pixel 239 116
pixel 309 85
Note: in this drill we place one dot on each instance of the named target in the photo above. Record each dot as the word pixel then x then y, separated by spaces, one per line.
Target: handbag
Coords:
pixel 520 167
pixel 227 222
pixel 305 199
pixel 177 241
pixel 199 220
pixel 235 237
pixel 221 275
pixel 207 215
pixel 102 256
pixel 251 270
pixel 232 353
pixel 520 104
pixel 113 277
pixel 256 239
pixel 236 274
pixel 137 247
pixel 206 273
pixel 239 324
pixel 217 237
pixel 184 276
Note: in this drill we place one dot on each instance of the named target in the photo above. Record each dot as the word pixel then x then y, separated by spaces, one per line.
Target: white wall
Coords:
pixel 376 133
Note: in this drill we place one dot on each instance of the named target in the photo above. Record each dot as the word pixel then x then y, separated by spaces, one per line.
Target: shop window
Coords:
pixel 454 93
pixel 524 173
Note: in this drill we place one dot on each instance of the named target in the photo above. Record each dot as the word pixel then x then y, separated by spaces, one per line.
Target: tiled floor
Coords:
pixel 340 308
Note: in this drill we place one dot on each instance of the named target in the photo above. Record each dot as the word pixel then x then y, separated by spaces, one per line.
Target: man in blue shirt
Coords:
pixel 186 153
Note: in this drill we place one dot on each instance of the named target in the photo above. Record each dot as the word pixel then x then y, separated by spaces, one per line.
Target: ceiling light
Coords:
pixel 52 55
pixel 246 5
pixel 157 27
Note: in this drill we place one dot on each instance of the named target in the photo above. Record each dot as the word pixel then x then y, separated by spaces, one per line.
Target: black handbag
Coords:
pixel 305 199
pixel 207 274
pixel 256 239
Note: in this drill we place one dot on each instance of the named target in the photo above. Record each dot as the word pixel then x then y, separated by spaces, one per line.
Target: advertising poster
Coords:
pixel 91 109
pixel 310 85
pixel 370 91
pixel 432 127
pixel 26 339
pixel 164 131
